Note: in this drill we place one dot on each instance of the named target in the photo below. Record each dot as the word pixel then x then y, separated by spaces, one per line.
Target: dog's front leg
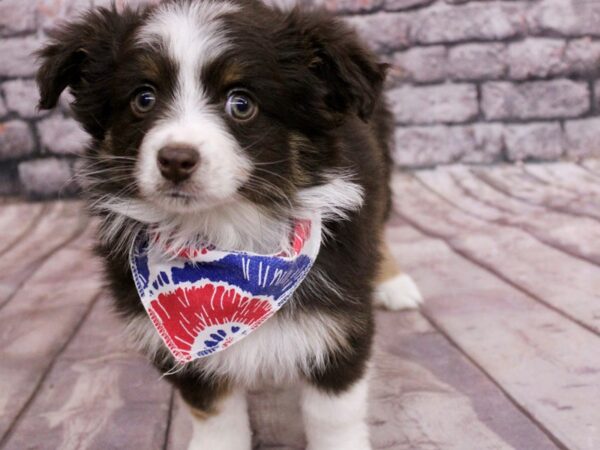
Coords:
pixel 219 411
pixel 224 427
pixel 336 421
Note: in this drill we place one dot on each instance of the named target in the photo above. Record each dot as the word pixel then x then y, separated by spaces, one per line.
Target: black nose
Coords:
pixel 178 162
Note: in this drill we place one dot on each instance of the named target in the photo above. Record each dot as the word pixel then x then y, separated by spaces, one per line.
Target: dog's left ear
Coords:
pixel 334 57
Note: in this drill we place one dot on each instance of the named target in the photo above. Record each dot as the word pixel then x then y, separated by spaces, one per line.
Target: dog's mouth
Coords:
pixel 179 194
pixel 182 200
pixel 176 199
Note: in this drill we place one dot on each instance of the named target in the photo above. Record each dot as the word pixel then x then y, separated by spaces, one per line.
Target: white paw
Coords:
pixel 349 442
pixel 336 422
pixel 225 442
pixel 227 430
pixel 399 292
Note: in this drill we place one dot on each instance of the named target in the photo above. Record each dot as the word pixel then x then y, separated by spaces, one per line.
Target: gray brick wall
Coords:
pixel 470 81
pixel 490 81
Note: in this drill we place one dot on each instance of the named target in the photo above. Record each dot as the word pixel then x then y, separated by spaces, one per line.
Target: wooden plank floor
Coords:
pixel 505 354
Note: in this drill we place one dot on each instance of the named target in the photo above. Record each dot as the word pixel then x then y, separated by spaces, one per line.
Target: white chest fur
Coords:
pixel 279 351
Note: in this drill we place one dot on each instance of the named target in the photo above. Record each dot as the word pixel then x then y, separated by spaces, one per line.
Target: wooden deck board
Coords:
pixel 569 176
pixel 98 395
pixel 417 378
pixel 504 357
pixel 509 252
pixel 514 181
pixel 580 238
pixel 16 221
pixel 547 364
pixel 39 321
pixel 61 223
pixel 592 166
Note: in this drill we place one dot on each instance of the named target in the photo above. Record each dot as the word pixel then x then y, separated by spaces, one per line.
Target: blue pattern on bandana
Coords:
pixel 204 303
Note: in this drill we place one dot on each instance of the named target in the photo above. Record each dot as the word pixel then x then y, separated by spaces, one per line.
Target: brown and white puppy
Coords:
pixel 223 119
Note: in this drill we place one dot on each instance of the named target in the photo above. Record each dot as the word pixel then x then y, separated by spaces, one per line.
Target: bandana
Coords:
pixel 203 300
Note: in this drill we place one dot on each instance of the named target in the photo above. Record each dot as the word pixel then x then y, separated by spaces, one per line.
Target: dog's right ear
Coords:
pixel 61 67
pixel 73 47
pixel 82 56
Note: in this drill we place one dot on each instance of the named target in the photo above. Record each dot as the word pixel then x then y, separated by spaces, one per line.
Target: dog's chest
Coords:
pixel 281 350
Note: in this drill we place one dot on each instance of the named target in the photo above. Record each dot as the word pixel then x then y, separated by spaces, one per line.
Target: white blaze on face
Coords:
pixel 193 35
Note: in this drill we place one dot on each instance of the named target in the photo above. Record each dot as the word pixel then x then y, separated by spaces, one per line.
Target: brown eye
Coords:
pixel 240 106
pixel 143 101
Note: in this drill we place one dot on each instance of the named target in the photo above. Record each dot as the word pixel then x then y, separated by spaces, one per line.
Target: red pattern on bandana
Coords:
pixel 186 312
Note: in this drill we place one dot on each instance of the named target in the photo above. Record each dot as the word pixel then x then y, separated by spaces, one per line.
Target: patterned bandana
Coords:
pixel 202 301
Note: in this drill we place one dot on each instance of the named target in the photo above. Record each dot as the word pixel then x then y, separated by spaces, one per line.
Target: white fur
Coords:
pixel 400 292
pixel 234 225
pixel 227 430
pixel 279 351
pixel 193 35
pixel 336 422
pixel 333 199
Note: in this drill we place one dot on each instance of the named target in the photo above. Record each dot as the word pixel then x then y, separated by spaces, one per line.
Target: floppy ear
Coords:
pixel 82 55
pixel 349 73
pixel 61 68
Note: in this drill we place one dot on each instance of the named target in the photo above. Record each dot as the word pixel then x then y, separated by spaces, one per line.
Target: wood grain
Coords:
pixel 424 392
pixel 508 259
pixel 507 251
pixel 514 181
pixel 16 221
pixel 61 223
pixel 417 380
pixel 580 237
pixel 40 320
pixel 569 176
pixel 98 395
pixel 547 364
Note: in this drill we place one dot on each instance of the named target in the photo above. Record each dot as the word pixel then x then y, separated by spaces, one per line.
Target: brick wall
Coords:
pixel 489 81
pixel 471 81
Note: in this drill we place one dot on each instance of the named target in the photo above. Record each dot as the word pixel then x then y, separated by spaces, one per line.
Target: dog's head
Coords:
pixel 195 104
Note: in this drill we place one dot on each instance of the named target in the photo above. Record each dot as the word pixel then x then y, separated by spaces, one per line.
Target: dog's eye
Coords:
pixel 143 101
pixel 240 106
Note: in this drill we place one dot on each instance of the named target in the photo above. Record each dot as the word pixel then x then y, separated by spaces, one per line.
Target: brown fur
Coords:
pixel 319 92
pixel 389 267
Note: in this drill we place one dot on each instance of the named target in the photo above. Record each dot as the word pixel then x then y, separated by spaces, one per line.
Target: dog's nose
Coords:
pixel 178 162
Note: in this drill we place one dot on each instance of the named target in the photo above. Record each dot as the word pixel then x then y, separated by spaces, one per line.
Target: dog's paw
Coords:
pixel 397 293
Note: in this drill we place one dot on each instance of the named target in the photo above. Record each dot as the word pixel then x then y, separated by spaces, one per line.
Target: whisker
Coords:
pixel 271 162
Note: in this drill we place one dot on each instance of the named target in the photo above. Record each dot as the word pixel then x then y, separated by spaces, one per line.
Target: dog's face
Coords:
pixel 196 104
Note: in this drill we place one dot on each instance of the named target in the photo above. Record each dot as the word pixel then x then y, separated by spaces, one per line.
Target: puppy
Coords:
pixel 222 122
